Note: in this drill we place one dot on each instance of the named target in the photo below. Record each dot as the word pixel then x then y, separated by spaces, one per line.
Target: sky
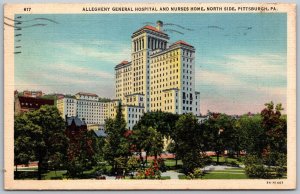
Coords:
pixel 240 59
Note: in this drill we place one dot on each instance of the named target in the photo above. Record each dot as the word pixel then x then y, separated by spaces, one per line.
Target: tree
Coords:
pixel 272 150
pixel 164 125
pixel 251 134
pixel 149 140
pixel 117 145
pixel 44 137
pixel 155 142
pixel 219 132
pixel 189 140
pixel 28 138
pixel 275 128
pixel 82 149
pixel 132 164
pixel 163 122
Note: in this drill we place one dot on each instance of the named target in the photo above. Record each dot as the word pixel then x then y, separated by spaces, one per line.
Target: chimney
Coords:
pixel 160 25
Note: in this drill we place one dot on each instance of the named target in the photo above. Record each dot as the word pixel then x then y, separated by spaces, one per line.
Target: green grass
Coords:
pixel 213 175
pixel 52 175
pixel 181 176
pixel 223 159
pixel 172 162
pixel 233 173
pixel 165 177
pixel 29 168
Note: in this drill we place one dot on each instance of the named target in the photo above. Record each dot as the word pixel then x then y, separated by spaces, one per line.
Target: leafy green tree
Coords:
pixel 44 137
pixel 132 164
pixel 149 140
pixel 270 159
pixel 163 122
pixel 251 134
pixel 117 145
pixel 275 127
pixel 82 149
pixel 219 133
pixel 28 139
pixel 157 125
pixel 189 140
pixel 155 142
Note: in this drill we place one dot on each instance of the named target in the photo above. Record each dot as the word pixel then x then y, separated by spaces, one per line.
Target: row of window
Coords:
pixel 166 56
pixel 136 110
pixel 134 116
pixel 155 60
pixel 163 68
pixel 136 55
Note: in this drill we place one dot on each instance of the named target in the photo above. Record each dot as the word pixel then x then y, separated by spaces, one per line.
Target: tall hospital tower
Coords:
pixel 160 76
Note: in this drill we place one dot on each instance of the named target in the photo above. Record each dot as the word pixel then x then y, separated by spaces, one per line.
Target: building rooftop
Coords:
pixel 34 103
pixel 151 28
pixel 123 63
pixel 87 94
pixel 181 42
pixel 100 133
pixel 76 120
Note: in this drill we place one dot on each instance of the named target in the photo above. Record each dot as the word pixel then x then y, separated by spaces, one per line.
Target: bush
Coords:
pixel 239 159
pixel 197 173
pixel 152 172
pixel 258 171
pixel 191 162
pixel 234 164
pixel 75 168
pixel 255 168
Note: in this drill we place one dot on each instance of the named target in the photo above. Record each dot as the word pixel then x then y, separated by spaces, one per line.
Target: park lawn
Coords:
pixel 232 170
pixel 165 177
pixel 231 173
pixel 172 162
pixel 225 175
pixel 52 175
pixel 29 168
pixel 223 159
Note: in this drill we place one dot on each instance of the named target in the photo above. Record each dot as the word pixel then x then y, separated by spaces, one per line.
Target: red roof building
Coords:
pixel 25 104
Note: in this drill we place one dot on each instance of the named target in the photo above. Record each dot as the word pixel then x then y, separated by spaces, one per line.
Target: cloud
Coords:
pixel 80 71
pixel 236 84
pixel 262 65
pixel 208 77
pixel 105 51
pixel 65 80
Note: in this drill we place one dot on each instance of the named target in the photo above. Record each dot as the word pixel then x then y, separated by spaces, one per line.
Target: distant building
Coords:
pixel 75 127
pixel 34 94
pixel 87 106
pixel 25 104
pixel 76 132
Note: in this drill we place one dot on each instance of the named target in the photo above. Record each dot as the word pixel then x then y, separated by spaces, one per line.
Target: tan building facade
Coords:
pixel 88 107
pixel 162 75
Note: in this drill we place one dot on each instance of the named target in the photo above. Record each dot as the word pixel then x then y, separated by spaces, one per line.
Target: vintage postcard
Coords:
pixel 150 96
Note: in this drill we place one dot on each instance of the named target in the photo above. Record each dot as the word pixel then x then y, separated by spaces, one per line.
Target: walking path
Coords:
pixel 173 174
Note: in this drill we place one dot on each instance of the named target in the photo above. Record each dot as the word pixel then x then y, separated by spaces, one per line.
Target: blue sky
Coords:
pixel 240 58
